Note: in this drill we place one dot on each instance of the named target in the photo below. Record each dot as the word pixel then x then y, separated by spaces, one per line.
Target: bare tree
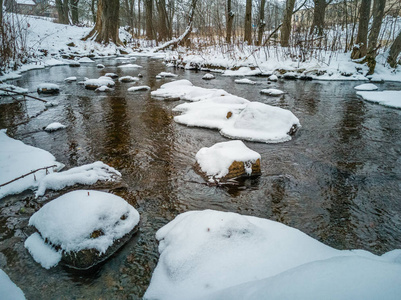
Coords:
pixel 262 22
pixel 395 51
pixel 360 49
pixel 1 13
pixel 229 23
pixel 93 10
pixel 286 25
pixel 62 10
pixel 74 11
pixel 319 12
pixel 248 22
pixel 149 19
pixel 378 12
pixel 163 23
pixel 106 27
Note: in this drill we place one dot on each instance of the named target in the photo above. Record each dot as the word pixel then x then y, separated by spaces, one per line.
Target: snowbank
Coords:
pixel 216 160
pixel 386 98
pixel 209 254
pixel 17 159
pixel 71 221
pixel 243 71
pixel 8 289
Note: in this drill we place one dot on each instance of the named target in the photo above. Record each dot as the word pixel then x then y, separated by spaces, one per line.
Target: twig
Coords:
pixel 22 94
pixel 32 172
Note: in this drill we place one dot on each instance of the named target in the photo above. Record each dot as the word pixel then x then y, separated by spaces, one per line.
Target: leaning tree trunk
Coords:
pixel 62 10
pixel 106 27
pixel 362 38
pixel 248 22
pixel 395 51
pixel 230 20
pixel 74 11
pixel 319 12
pixel 286 27
pixel 262 23
pixel 149 19
pixel 378 12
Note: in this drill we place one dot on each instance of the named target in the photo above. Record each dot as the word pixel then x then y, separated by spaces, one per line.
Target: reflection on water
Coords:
pixel 338 180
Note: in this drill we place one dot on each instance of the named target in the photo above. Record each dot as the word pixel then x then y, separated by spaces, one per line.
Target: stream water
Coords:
pixel 338 180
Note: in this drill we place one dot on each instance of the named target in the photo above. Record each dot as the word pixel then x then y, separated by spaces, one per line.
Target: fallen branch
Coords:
pixel 32 172
pixel 22 94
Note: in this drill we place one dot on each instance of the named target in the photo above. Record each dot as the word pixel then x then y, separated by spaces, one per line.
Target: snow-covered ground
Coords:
pixel 8 289
pixel 220 255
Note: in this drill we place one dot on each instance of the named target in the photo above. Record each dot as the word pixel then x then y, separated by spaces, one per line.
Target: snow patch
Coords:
pixel 41 252
pixel 54 126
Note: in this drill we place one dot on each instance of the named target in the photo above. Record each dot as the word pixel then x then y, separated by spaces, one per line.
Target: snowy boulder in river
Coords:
pixel 228 160
pixel 208 76
pixel 139 88
pixel 48 88
pixel 54 126
pixel 244 81
pixel 221 255
pixel 81 229
pixel 366 87
pixel 272 92
pixel 128 79
pixel 93 84
pixel 272 78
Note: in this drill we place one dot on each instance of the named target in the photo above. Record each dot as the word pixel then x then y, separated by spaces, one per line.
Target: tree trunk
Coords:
pixel 74 11
pixel 106 27
pixel 1 14
pixel 248 22
pixel 162 27
pixel 286 27
pixel 149 19
pixel 93 11
pixel 362 38
pixel 229 23
pixel 378 12
pixel 262 23
pixel 62 10
pixel 138 27
pixel 319 12
pixel 395 51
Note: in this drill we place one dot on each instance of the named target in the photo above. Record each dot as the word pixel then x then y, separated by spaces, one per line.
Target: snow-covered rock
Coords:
pixel 244 81
pixel 272 78
pixel 111 75
pixel 260 122
pixel 130 66
pixel 167 74
pixel 17 159
pixel 272 92
pixel 93 84
pixel 54 126
pixel 158 77
pixel 386 98
pixel 8 289
pixel 243 71
pixel 84 226
pixel 70 79
pixel 139 88
pixel 103 88
pixel 208 76
pixel 185 90
pixel 222 255
pixel 48 88
pixel 228 160
pixel 366 87
pixel 85 60
pixel 128 79
pixel 100 66
pixel 87 175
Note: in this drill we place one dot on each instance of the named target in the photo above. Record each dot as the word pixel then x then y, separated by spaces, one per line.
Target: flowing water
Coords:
pixel 338 180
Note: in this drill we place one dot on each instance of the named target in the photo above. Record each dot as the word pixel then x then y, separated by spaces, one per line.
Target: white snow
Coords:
pixel 221 255
pixel 47 86
pixel 167 74
pixel 17 159
pixel 8 289
pixel 139 88
pixel 111 75
pixel 366 87
pixel 244 81
pixel 100 66
pixel 103 88
pixel 70 79
pixel 386 98
pixel 54 126
pixel 185 90
pixel 11 88
pixel 243 71
pixel 216 160
pixel 130 66
pixel 272 92
pixel 101 81
pixel 128 79
pixel 41 252
pixel 86 174
pixel 85 60
pixel 208 76
pixel 272 78
pixel 69 220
